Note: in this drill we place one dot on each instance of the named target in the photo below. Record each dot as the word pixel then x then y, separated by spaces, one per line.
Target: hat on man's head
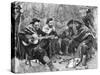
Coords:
pixel 34 20
pixel 49 19
pixel 72 21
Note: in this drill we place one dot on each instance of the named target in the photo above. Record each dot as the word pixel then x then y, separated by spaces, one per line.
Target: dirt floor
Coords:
pixel 61 63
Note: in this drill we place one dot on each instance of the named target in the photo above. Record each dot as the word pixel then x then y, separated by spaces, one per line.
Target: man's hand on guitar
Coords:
pixel 53 37
pixel 56 37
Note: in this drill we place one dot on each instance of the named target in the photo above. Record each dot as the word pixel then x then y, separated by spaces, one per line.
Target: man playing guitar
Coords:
pixel 34 46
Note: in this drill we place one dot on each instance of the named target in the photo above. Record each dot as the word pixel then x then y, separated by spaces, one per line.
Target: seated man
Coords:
pixel 65 38
pixel 49 29
pixel 83 34
pixel 30 41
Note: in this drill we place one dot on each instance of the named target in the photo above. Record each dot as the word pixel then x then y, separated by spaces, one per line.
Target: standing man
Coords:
pixel 87 18
pixel 15 21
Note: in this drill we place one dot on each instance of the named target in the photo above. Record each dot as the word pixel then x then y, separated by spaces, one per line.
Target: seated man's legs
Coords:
pixel 86 50
pixel 41 55
pixel 72 46
pixel 64 45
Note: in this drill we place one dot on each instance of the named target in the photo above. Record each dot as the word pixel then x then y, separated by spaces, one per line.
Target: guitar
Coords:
pixel 35 38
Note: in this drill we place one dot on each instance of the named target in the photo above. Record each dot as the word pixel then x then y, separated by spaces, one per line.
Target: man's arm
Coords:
pixel 42 33
pixel 46 29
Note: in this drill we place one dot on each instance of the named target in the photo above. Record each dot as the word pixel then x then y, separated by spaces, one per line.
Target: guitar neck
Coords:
pixel 46 37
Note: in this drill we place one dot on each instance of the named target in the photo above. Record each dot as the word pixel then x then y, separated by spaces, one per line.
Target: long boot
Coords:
pixel 50 66
pixel 84 60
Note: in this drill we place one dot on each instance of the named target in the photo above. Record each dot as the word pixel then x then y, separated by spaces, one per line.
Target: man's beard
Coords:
pixel 50 26
pixel 37 28
pixel 75 30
